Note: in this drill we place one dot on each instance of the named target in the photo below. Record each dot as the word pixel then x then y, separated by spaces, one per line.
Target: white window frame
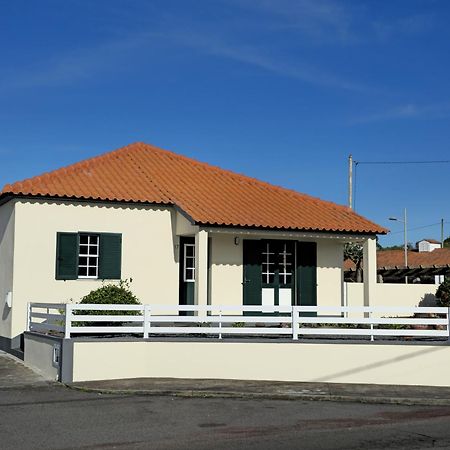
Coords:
pixel 284 265
pixel 89 256
pixel 187 258
pixel 266 273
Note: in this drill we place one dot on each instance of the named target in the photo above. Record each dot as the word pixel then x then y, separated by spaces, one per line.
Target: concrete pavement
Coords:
pixel 14 374
pixel 365 393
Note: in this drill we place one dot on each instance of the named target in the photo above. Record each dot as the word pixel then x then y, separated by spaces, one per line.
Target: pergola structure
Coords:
pixel 422 266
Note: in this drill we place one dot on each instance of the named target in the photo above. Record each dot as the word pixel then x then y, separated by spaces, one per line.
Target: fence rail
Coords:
pixel 295 321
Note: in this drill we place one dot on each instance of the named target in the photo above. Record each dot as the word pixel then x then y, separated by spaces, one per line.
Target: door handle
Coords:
pixel 245 281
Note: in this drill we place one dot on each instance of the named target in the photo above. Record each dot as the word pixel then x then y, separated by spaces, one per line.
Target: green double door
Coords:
pixel 280 273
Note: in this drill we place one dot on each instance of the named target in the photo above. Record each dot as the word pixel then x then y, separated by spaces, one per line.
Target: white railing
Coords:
pixel 295 321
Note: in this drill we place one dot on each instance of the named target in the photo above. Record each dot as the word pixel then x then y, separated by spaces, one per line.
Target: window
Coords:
pixel 88 255
pixel 189 263
pixel 285 265
pixel 268 271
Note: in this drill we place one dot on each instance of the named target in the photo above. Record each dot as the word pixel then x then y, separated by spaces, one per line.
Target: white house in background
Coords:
pixel 428 245
pixel 184 231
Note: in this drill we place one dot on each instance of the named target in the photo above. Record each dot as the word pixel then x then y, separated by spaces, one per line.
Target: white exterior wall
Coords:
pixel 287 361
pixel 150 248
pixel 149 253
pixel 6 264
pixel 329 272
pixel 226 271
pixel 425 246
pixel 393 294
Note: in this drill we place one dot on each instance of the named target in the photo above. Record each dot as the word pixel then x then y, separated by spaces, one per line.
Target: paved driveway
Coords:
pixel 14 374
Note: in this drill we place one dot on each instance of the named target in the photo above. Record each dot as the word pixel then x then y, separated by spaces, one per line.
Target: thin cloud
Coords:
pixel 86 63
pixel 319 20
pixel 253 56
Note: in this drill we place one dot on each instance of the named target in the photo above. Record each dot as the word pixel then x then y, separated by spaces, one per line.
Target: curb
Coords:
pixel 266 396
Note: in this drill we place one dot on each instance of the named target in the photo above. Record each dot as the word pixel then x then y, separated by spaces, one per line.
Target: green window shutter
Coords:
pixel 66 256
pixel 110 261
pixel 307 273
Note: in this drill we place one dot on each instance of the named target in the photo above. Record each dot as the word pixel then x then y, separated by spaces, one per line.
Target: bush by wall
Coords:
pixel 443 293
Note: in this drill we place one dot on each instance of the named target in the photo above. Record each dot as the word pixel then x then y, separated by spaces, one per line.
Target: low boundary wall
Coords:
pixel 344 362
pixel 392 294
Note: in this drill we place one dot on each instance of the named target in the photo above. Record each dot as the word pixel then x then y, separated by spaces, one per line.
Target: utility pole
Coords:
pixel 350 181
pixel 405 224
pixel 442 233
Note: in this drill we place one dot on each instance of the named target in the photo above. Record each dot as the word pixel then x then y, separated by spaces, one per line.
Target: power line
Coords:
pixel 418 228
pixel 357 163
pixel 445 161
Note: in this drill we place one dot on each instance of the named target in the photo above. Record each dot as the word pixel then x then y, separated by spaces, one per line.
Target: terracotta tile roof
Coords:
pixel 209 195
pixel 391 259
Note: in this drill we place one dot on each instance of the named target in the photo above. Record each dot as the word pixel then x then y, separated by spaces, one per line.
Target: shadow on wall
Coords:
pixel 428 300
pixel 389 362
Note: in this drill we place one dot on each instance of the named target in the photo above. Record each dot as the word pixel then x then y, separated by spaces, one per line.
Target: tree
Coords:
pixel 447 242
pixel 443 293
pixel 354 252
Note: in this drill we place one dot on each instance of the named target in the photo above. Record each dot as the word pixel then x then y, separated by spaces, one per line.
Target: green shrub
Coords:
pixel 109 294
pixel 443 293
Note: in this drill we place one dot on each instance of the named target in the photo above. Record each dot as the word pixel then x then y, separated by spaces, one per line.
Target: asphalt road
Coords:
pixel 55 417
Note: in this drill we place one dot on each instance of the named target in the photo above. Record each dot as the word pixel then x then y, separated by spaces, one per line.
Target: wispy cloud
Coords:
pixel 319 20
pixel 254 56
pixel 405 112
pixel 89 62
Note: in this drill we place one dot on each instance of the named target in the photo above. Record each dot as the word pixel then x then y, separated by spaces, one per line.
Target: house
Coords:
pixel 185 232
pixel 428 245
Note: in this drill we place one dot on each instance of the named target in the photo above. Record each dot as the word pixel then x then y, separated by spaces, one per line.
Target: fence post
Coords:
pixel 28 316
pixel 295 318
pixel 371 327
pixel 146 323
pixel 448 324
pixel 67 320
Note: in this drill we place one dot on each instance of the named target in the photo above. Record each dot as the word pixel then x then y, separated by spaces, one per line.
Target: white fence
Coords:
pixel 147 320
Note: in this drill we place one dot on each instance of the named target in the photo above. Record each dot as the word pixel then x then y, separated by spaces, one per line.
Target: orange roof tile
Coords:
pixel 141 172
pixel 391 259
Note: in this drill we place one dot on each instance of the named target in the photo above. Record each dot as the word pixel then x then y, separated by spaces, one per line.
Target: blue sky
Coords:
pixel 282 90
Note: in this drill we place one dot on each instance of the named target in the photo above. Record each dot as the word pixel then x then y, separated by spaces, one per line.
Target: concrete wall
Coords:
pixel 149 253
pixel 307 362
pixel 38 354
pixel 6 267
pixel 393 294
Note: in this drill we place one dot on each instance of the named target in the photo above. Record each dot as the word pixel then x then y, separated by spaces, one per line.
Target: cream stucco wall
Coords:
pixel 149 252
pixel 150 247
pixel 226 270
pixel 329 272
pixel 6 264
pixel 393 294
pixel 306 362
